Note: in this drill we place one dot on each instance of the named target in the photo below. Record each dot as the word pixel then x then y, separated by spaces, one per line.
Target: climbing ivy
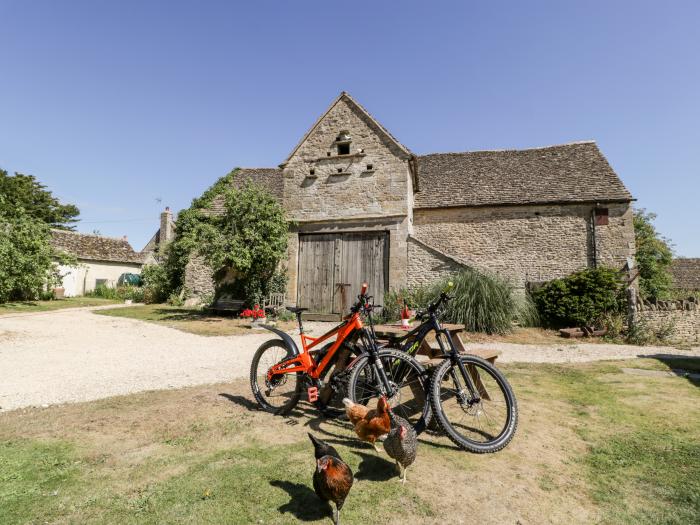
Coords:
pixel 246 241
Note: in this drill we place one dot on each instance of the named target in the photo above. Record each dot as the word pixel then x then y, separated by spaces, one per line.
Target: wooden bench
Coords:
pixel 274 303
pixel 226 304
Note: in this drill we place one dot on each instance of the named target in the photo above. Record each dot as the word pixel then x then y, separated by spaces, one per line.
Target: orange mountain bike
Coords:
pixel 352 365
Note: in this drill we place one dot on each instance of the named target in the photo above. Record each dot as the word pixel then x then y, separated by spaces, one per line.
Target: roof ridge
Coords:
pixel 59 230
pixel 574 143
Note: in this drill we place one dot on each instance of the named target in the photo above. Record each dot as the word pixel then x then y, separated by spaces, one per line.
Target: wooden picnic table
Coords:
pixel 428 353
pixel 429 346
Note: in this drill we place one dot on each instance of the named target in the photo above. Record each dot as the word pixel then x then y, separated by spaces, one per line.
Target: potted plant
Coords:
pixel 256 315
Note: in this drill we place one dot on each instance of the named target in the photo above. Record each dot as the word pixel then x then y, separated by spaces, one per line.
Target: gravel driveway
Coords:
pixel 75 355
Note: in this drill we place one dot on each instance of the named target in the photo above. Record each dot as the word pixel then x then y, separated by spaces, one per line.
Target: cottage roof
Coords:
pixel 686 273
pixel 576 172
pixel 95 247
pixel 268 178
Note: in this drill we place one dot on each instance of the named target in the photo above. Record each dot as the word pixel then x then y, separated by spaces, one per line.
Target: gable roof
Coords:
pixel 686 273
pixel 268 178
pixel 576 172
pixel 95 247
pixel 344 96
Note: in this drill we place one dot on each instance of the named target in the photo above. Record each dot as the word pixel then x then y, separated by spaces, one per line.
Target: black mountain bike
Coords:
pixel 471 400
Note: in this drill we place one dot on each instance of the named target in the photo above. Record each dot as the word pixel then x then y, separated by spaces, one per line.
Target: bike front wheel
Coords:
pixel 482 421
pixel 406 391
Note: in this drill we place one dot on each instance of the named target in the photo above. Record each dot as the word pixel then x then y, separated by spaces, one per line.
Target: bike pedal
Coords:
pixel 312 392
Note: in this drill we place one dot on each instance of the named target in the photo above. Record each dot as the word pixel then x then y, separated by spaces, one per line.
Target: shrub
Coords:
pixel 583 298
pixel 120 293
pixel 416 297
pixel 156 283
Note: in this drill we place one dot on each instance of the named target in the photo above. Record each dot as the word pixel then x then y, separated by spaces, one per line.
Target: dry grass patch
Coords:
pixel 593 445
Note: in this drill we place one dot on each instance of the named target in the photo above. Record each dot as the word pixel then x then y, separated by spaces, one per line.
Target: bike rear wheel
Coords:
pixel 281 394
pixel 408 382
pixel 484 426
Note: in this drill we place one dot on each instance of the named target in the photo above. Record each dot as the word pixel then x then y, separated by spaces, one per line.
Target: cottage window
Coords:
pixel 340 170
pixel 344 148
pixel 370 167
pixel 312 171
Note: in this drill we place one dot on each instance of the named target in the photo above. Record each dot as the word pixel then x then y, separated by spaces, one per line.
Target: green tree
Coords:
pixel 654 256
pixel 27 260
pixel 26 193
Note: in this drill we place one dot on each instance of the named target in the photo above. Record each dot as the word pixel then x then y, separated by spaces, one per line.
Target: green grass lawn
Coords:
pixel 594 445
pixel 192 320
pixel 56 304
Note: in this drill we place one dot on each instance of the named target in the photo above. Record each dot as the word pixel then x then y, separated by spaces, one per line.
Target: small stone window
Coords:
pixel 340 170
pixel 370 167
pixel 312 172
pixel 342 142
pixel 601 217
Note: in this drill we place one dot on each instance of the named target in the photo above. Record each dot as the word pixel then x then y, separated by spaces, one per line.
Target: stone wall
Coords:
pixel 524 243
pixel 358 198
pixel 357 191
pixel 198 278
pixel 426 265
pixel 680 318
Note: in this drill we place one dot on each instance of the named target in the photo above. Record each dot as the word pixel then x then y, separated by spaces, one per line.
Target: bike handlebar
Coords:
pixel 432 307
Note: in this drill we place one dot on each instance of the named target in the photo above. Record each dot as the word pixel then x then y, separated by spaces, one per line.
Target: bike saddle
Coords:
pixel 296 310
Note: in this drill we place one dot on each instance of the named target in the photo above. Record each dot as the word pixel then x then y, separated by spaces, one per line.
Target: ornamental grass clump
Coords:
pixel 481 302
pixel 485 303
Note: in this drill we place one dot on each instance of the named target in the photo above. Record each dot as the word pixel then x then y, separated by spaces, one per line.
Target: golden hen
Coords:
pixel 370 424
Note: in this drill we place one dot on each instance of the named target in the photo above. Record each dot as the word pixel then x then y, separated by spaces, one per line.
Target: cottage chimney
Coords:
pixel 167 232
pixel 125 238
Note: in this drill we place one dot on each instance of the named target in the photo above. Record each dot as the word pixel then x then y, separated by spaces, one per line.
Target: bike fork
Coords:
pixel 454 356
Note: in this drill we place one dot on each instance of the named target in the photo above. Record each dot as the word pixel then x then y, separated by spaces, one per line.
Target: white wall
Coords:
pixel 78 280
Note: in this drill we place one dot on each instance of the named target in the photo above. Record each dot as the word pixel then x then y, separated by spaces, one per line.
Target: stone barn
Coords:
pixel 364 207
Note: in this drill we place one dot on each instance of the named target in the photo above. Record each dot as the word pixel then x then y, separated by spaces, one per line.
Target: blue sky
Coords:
pixel 125 107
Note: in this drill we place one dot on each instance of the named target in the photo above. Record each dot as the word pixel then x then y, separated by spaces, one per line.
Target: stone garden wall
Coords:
pixel 680 318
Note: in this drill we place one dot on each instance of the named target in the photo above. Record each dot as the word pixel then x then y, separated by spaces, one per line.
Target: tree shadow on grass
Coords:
pixel 373 467
pixel 303 504
pixel 187 315
pixel 681 365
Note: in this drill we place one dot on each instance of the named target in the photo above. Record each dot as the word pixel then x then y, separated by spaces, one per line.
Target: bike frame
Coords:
pixel 304 363
pixel 410 343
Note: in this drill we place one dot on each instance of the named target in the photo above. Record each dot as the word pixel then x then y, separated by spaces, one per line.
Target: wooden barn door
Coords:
pixel 332 267
pixel 316 262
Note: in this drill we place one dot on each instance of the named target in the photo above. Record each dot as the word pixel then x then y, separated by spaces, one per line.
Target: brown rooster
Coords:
pixel 370 424
pixel 332 477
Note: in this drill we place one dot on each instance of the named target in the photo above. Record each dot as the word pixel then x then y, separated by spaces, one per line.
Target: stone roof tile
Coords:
pixel 576 172
pixel 95 247
pixel 686 273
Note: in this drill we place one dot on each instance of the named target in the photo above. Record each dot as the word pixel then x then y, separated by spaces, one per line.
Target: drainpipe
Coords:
pixel 594 239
